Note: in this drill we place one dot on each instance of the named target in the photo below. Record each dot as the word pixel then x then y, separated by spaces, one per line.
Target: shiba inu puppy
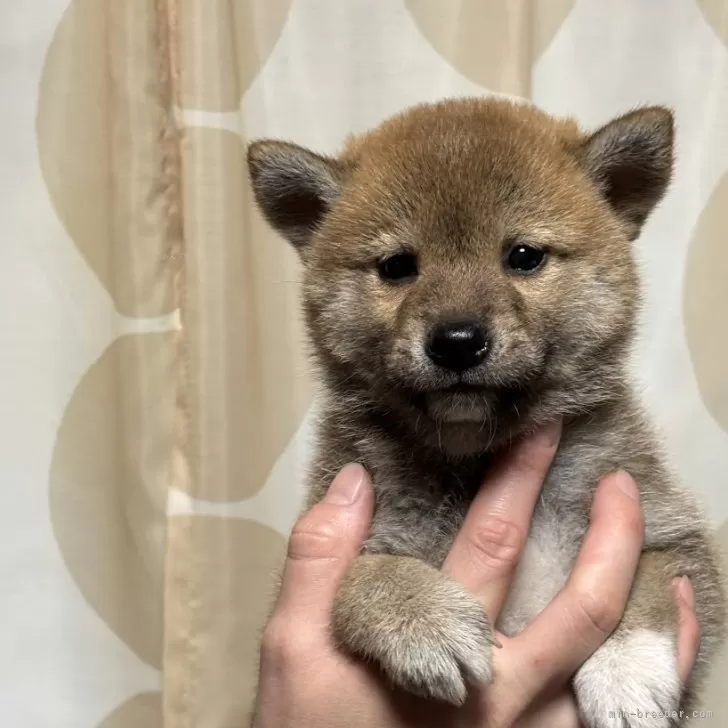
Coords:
pixel 469 276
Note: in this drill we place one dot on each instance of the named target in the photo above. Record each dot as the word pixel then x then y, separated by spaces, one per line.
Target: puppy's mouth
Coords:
pixel 465 388
pixel 470 404
pixel 459 403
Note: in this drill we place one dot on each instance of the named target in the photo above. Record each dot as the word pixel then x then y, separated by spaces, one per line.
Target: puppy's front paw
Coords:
pixel 630 681
pixel 428 634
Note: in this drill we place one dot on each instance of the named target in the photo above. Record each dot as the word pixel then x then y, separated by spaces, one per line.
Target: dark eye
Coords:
pixel 398 268
pixel 524 258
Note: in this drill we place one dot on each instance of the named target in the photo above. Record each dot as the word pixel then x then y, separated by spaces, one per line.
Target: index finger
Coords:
pixel 485 553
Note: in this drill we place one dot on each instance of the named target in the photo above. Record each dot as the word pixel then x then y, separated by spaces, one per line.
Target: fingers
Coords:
pixel 591 604
pixel 559 711
pixel 485 553
pixel 688 637
pixel 322 544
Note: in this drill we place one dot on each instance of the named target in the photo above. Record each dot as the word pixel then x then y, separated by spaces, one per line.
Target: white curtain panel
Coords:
pixel 155 401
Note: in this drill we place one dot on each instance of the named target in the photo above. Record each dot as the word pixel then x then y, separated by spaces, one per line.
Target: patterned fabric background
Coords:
pixel 156 400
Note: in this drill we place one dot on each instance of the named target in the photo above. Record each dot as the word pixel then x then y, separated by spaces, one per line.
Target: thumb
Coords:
pixel 322 545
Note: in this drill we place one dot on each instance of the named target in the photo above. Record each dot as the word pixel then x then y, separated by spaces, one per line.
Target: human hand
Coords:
pixel 531 685
pixel 560 711
pixel 305 681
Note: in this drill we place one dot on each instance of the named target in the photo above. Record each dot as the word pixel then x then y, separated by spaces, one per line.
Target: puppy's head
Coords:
pixel 468 264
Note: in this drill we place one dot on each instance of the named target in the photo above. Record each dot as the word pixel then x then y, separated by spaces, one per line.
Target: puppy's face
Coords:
pixel 468 264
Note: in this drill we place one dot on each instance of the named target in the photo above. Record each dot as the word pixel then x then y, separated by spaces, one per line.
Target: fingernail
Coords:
pixel 626 484
pixel 347 485
pixel 675 583
pixel 550 434
pixel 685 592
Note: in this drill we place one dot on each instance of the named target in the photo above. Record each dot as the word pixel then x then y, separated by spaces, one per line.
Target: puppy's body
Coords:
pixel 469 277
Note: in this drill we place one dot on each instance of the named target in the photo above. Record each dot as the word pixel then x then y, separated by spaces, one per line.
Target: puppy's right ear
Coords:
pixel 293 187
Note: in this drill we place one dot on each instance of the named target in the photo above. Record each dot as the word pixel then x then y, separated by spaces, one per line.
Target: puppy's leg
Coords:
pixel 632 679
pixel 427 633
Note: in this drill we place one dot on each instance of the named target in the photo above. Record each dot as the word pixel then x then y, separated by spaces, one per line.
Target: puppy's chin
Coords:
pixel 458 407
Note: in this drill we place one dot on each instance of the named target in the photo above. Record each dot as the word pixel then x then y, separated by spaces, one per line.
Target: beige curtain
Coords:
pixel 156 400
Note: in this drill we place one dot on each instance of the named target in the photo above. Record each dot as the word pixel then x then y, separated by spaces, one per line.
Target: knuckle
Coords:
pixel 598 614
pixel 282 643
pixel 497 543
pixel 275 643
pixel 313 539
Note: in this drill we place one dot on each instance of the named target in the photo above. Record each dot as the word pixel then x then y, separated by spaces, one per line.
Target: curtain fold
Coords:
pixel 157 398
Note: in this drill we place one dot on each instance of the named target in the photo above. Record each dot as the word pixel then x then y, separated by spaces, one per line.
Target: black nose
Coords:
pixel 458 345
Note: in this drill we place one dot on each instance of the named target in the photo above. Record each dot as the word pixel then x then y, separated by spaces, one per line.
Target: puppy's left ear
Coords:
pixel 630 159
pixel 294 187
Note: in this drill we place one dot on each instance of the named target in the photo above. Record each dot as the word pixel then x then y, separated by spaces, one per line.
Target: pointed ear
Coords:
pixel 630 159
pixel 293 187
